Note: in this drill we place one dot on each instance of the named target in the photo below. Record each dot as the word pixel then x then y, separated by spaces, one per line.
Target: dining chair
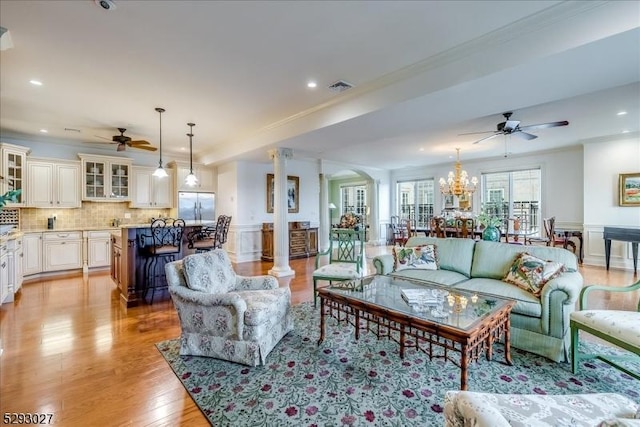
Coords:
pixel 554 238
pixel 402 232
pixel 515 231
pixel 438 227
pixel 465 228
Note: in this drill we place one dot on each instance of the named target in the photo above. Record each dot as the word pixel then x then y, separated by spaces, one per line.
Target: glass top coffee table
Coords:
pixel 439 321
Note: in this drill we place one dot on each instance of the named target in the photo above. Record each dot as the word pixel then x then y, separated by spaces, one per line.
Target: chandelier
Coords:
pixel 457 183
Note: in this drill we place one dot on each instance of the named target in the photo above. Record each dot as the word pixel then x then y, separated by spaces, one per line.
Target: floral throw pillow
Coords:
pixel 531 273
pixel 423 257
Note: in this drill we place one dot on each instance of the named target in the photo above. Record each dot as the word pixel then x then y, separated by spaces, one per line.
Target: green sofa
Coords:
pixel 538 325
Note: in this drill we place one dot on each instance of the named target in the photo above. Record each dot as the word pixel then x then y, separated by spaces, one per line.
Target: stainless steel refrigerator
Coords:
pixel 193 206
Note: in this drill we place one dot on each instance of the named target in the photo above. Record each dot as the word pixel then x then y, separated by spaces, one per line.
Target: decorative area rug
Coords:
pixel 345 382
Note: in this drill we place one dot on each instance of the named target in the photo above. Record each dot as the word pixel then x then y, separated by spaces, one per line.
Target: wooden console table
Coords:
pixel 628 234
pixel 303 240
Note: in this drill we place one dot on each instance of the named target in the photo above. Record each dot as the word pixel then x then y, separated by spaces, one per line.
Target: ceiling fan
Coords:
pixel 123 141
pixel 512 127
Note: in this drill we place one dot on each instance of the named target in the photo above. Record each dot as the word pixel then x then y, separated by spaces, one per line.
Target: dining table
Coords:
pixel 477 233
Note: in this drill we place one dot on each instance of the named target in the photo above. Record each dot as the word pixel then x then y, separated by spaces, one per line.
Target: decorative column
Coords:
pixel 325 220
pixel 374 217
pixel 280 210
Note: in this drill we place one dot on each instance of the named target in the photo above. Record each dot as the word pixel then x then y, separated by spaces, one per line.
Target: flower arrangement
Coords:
pixel 9 196
pixel 487 220
pixel 349 220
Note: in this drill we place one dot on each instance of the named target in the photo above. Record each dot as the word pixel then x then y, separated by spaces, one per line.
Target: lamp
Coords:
pixel 332 206
pixel 191 179
pixel 457 182
pixel 160 172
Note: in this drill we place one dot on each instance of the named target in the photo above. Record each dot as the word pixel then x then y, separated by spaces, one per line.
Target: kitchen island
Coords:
pixel 127 262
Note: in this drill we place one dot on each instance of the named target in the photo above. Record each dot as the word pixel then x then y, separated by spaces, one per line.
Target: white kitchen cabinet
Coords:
pixel 205 175
pixel 13 171
pixel 14 260
pixel 32 253
pixel 149 191
pixel 4 271
pixel 53 184
pixel 62 250
pixel 98 248
pixel 105 178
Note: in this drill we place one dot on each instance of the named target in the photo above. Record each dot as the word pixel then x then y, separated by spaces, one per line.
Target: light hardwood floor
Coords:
pixel 72 350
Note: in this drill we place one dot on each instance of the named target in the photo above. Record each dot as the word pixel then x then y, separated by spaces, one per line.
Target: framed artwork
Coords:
pixel 629 189
pixel 448 201
pixel 293 193
pixel 464 202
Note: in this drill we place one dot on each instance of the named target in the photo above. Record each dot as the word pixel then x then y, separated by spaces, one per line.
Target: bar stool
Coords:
pixel 222 229
pixel 202 240
pixel 164 243
pixel 209 238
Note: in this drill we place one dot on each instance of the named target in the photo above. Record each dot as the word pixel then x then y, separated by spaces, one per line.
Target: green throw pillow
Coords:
pixel 531 273
pixel 423 257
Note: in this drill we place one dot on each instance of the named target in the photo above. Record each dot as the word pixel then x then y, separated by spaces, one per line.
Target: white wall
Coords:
pixel 603 162
pixel 562 176
pixel 242 190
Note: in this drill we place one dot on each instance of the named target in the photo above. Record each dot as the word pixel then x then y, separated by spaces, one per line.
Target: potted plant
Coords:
pixel 9 196
pixel 490 223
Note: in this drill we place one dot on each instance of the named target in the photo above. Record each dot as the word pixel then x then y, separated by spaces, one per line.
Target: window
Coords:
pixel 513 194
pixel 354 199
pixel 416 197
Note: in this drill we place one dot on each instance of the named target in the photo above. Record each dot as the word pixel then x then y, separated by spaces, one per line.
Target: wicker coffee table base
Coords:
pixel 424 335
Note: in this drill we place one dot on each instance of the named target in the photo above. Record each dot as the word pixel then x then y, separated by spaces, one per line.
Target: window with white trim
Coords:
pixel 512 194
pixel 415 201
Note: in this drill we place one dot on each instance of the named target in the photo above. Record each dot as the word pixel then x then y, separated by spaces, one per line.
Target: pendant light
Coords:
pixel 191 179
pixel 160 172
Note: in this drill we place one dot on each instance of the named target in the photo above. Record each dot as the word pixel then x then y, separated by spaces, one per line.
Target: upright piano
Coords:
pixel 624 234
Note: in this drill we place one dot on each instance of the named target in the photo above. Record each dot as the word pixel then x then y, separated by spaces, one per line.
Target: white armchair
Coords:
pixel 226 316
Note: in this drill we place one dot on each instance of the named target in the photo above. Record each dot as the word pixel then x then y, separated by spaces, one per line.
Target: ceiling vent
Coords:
pixel 340 86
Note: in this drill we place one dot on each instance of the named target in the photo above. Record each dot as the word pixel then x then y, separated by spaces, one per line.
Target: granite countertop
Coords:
pixel 110 228
pixel 62 229
pixel 186 223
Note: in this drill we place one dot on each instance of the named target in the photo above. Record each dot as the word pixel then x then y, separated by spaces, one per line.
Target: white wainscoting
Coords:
pixel 244 243
pixel 621 254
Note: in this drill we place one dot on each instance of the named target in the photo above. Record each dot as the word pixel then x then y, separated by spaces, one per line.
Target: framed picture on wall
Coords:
pixel 448 201
pixel 293 193
pixel 464 202
pixel 629 189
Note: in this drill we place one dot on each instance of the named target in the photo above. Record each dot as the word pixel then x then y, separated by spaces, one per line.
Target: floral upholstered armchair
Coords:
pixel 467 408
pixel 226 316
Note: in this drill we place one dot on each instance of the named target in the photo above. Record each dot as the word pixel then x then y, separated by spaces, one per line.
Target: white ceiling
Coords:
pixel 423 72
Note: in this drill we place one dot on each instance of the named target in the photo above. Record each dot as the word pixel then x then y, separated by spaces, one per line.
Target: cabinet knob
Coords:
pixel 58 201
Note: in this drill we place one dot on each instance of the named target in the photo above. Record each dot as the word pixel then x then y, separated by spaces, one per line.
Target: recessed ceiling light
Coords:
pixel 421 149
pixel 44 131
pixel 183 149
pixel 312 85
pixel 35 82
pixel 625 131
pixel 622 113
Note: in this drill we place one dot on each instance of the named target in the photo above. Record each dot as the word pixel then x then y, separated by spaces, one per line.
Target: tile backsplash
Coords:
pixel 91 214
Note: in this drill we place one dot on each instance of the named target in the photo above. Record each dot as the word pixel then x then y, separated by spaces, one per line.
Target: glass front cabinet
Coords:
pixel 13 170
pixel 105 178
